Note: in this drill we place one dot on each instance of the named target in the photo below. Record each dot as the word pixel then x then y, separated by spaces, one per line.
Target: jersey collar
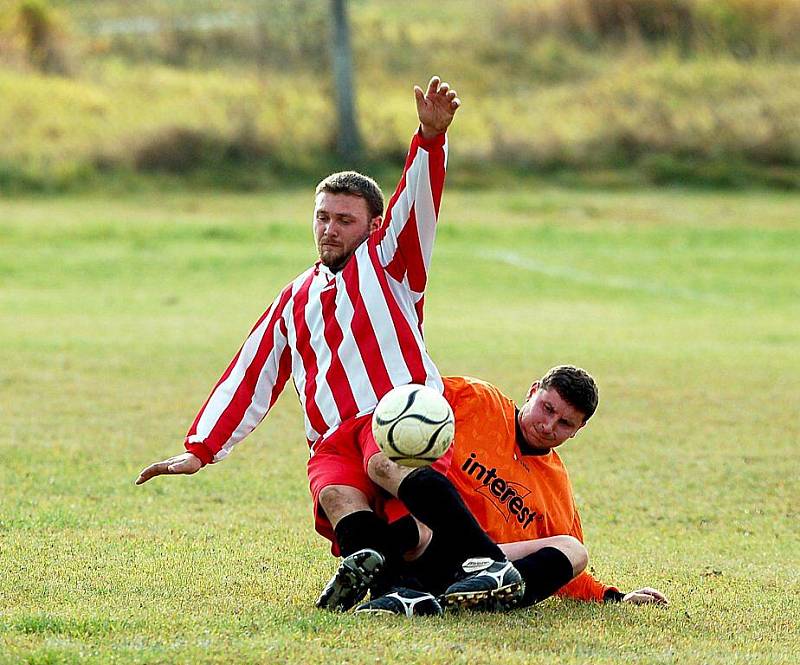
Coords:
pixel 322 269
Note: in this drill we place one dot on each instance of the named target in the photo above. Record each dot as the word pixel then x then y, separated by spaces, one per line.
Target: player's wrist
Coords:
pixel 429 137
pixel 201 451
pixel 613 596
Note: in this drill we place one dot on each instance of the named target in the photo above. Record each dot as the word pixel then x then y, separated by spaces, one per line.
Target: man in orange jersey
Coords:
pixel 513 481
pixel 507 470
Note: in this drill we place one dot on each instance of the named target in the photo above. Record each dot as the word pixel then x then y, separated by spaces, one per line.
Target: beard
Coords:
pixel 335 256
pixel 334 260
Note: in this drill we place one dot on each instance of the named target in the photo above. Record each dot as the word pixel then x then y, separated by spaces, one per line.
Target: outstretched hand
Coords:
pixel 645 596
pixel 185 463
pixel 436 107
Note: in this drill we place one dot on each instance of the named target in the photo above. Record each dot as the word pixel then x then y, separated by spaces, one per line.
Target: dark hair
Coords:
pixel 575 385
pixel 355 184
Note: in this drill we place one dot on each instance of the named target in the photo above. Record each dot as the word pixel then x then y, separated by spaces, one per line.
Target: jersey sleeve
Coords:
pixel 584 586
pixel 248 388
pixel 405 239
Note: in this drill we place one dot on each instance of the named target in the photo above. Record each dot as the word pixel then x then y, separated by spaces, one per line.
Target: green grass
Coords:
pixel 118 314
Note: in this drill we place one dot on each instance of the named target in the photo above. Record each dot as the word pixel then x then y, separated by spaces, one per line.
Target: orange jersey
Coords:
pixel 515 497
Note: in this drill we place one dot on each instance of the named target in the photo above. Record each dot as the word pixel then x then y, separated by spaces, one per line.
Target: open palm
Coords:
pixel 436 106
pixel 185 463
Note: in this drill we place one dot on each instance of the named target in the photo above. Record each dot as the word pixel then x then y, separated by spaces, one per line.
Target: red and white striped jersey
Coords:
pixel 346 338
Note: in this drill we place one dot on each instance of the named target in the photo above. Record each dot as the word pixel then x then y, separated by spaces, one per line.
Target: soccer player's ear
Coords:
pixel 580 427
pixel 375 223
pixel 532 390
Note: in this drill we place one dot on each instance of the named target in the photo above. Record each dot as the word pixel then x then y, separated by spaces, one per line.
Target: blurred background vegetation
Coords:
pixel 239 93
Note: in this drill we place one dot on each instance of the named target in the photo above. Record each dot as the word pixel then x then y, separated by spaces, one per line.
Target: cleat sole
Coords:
pixel 351 581
pixel 504 598
pixel 378 611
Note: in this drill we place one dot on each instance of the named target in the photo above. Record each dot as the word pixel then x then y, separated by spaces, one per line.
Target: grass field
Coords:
pixel 117 316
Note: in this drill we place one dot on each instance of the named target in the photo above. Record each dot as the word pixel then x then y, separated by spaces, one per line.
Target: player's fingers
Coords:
pixel 455 104
pixel 419 95
pixel 655 600
pixel 642 597
pixel 656 594
pixel 444 88
pixel 451 95
pixel 433 85
pixel 152 471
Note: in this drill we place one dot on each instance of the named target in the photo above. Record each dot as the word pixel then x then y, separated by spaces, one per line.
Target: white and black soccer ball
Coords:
pixel 413 425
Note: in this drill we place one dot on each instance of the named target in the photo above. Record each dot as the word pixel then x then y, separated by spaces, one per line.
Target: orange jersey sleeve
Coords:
pixel 585 587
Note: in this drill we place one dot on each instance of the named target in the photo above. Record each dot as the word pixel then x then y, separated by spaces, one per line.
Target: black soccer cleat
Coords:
pixel 351 581
pixel 402 601
pixel 493 586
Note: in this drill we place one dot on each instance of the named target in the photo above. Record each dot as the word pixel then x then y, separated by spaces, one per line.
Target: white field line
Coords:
pixel 610 281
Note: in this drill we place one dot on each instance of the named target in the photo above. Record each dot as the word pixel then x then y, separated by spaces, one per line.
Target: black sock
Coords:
pixel 362 529
pixel 435 569
pixel 544 572
pixel 404 533
pixel 434 501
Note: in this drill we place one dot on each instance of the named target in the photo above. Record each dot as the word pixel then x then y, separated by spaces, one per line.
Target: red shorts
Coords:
pixel 341 459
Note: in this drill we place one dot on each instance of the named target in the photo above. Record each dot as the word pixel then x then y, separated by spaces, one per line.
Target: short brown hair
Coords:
pixel 355 184
pixel 575 385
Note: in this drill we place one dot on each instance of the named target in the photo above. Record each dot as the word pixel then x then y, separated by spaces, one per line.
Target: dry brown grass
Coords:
pixel 744 28
pixel 668 89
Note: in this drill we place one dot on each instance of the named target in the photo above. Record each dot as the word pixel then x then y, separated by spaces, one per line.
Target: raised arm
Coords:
pixel 405 239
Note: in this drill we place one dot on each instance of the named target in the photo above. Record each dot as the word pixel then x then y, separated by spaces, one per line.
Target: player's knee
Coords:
pixel 576 552
pixel 380 468
pixel 384 472
pixel 573 549
pixel 329 499
pixel 340 500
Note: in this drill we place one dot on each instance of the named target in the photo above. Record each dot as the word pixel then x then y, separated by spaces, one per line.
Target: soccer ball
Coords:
pixel 413 425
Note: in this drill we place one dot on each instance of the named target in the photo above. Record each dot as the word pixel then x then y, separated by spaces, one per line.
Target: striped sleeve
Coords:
pixel 248 388
pixel 584 586
pixel 405 240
